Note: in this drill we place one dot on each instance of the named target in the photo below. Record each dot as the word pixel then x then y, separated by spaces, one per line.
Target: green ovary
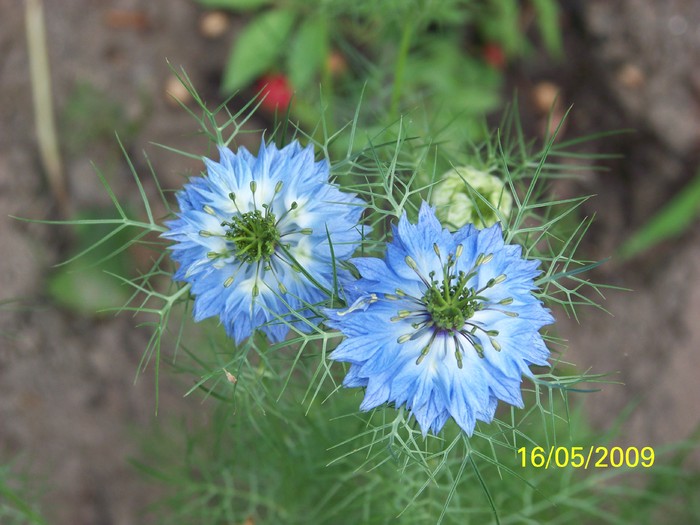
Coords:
pixel 254 235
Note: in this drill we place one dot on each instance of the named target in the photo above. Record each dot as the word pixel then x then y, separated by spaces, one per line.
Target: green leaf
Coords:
pixel 82 284
pixel 673 219
pixel 308 52
pixel 548 22
pixel 257 48
pixel 86 290
pixel 500 22
pixel 236 5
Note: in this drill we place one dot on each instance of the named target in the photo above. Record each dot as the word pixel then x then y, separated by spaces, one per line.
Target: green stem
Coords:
pixel 400 68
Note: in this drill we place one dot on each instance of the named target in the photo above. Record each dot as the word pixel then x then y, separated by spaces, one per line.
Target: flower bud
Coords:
pixel 457 204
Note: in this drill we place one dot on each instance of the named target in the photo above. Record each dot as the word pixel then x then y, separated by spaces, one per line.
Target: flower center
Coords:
pixel 451 302
pixel 254 235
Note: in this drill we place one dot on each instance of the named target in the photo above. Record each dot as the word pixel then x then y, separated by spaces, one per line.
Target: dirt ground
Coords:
pixel 68 403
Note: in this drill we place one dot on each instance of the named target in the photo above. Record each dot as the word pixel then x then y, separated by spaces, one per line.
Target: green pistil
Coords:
pixel 450 303
pixel 254 235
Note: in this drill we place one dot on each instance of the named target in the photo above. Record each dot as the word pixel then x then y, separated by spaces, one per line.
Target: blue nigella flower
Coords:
pixel 446 324
pixel 245 231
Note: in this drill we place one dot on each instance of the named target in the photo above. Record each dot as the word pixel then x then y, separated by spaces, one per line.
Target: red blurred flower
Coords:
pixel 275 92
pixel 493 55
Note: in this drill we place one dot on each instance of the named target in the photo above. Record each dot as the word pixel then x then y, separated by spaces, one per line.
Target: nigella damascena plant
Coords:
pixel 252 231
pixel 447 324
pixel 456 204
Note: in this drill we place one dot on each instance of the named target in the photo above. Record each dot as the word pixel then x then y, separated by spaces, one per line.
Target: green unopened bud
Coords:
pixel 457 203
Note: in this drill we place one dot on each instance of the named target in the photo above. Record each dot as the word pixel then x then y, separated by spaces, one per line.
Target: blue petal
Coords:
pixel 433 385
pixel 302 179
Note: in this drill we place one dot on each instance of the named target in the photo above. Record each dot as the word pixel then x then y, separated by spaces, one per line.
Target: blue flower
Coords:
pixel 446 324
pixel 247 229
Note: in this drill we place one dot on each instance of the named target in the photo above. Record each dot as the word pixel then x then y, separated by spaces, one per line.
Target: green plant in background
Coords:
pixel 90 116
pixel 443 56
pixel 17 500
pixel 672 220
pixel 81 283
pixel 298 479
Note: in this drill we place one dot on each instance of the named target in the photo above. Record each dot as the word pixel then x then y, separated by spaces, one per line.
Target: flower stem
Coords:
pixel 399 69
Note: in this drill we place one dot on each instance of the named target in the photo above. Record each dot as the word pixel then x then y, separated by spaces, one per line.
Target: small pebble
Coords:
pixel 213 24
pixel 174 91
pixel 544 94
pixel 630 76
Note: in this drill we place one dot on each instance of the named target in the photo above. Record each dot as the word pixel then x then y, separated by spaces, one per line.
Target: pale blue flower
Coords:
pixel 447 324
pixel 248 228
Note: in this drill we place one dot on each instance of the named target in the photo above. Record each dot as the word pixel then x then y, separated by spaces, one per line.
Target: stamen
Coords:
pixel 361 303
pixel 497 280
pixel 405 314
pixel 459 350
pixel 426 349
pixel 411 263
pixel 292 206
pixel 413 266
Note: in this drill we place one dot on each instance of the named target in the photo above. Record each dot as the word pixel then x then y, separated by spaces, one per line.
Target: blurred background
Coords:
pixel 71 412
